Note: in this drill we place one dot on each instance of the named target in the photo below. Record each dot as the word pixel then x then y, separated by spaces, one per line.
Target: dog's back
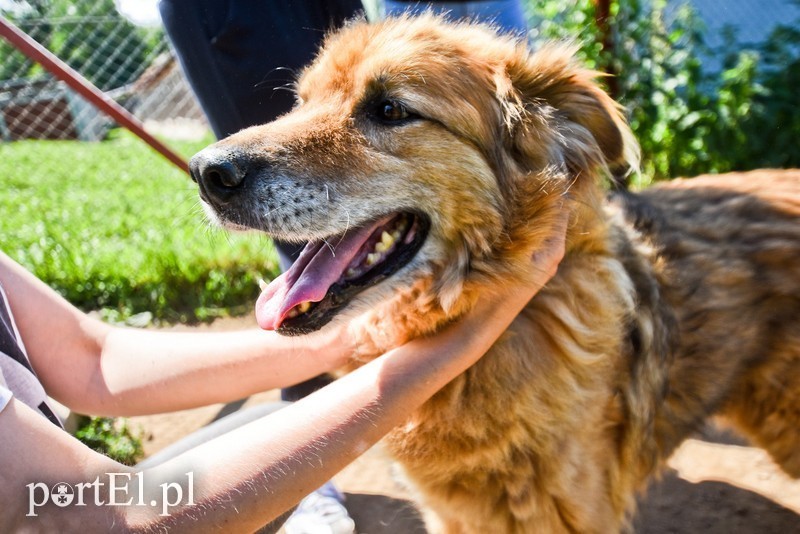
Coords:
pixel 728 268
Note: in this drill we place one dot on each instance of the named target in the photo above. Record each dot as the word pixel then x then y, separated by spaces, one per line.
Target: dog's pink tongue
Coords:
pixel 310 277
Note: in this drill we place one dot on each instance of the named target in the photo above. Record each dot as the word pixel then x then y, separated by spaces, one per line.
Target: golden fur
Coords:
pixel 670 306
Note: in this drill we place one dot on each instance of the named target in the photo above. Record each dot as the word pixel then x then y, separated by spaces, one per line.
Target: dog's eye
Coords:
pixel 392 111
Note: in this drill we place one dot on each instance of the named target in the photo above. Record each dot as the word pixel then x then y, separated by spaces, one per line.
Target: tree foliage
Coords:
pixel 689 119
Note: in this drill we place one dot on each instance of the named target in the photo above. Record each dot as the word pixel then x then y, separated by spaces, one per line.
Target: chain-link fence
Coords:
pixel 131 64
pixel 752 21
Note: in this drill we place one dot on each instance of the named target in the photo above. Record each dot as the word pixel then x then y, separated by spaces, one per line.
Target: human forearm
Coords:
pixel 94 368
pixel 141 372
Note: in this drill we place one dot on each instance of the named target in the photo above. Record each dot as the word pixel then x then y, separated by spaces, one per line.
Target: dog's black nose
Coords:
pixel 219 172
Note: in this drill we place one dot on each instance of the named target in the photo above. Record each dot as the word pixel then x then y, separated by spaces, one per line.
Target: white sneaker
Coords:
pixel 322 512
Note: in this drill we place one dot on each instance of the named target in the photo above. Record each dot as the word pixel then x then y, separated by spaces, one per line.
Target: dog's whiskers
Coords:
pixel 332 248
pixel 272 211
pixel 346 227
pixel 266 79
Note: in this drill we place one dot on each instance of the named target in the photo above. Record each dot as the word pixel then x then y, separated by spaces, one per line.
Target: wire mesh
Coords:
pixel 751 22
pixel 132 64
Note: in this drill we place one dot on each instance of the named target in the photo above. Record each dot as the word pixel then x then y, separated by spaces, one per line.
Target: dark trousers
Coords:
pixel 242 57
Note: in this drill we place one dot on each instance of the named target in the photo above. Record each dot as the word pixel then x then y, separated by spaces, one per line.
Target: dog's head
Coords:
pixel 422 157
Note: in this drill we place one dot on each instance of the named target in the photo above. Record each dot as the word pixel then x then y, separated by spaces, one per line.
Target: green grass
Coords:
pixel 113 226
pixel 113 437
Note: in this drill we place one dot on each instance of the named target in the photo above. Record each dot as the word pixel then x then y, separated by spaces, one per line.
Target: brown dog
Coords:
pixel 422 161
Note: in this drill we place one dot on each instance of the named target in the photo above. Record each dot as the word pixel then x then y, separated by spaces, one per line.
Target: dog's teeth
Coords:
pixel 300 309
pixel 262 285
pixel 351 273
pixel 373 258
pixel 386 242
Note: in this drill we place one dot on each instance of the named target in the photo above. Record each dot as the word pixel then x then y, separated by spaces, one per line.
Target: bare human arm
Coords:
pixel 248 477
pixel 95 368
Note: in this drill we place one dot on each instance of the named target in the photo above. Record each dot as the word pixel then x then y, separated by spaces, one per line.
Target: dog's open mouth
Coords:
pixel 330 272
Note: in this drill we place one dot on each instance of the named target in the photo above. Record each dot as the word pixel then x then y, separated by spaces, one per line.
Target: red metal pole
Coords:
pixel 28 46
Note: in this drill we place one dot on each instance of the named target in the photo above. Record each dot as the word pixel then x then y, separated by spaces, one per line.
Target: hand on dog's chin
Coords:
pixel 334 345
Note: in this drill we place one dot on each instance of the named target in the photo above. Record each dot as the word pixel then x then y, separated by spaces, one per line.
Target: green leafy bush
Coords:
pixel 687 119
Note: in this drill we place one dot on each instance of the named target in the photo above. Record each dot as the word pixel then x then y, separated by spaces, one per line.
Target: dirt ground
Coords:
pixel 716 484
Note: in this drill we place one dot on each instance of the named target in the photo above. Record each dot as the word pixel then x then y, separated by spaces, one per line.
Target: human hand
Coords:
pixel 508 302
pixel 546 259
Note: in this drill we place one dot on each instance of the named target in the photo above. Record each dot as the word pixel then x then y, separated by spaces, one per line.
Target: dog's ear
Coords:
pixel 555 113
